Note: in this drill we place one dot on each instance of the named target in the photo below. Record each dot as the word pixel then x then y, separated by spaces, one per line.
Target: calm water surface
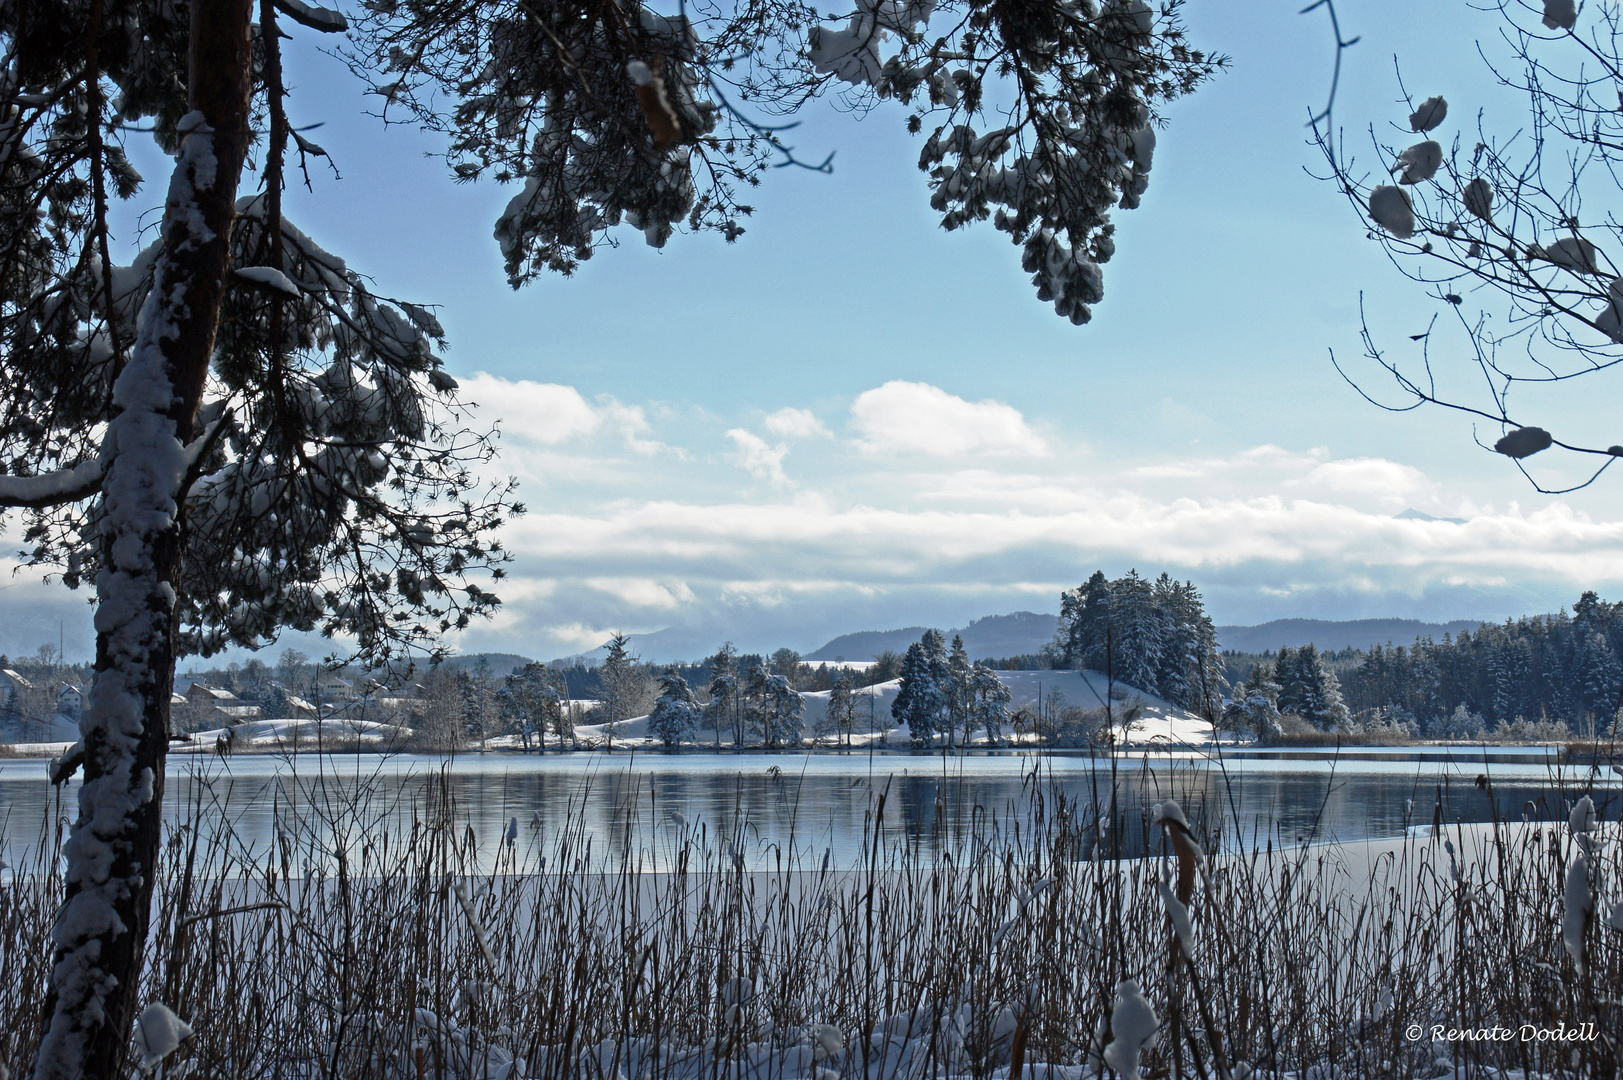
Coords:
pixel 823 805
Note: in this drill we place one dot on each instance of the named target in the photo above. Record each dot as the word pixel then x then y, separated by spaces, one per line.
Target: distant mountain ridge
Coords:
pixel 1025 632
pixel 1022 633
pixel 992 636
pixel 866 644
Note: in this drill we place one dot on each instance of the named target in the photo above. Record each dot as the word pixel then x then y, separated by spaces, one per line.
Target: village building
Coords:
pixel 70 702
pixel 215 703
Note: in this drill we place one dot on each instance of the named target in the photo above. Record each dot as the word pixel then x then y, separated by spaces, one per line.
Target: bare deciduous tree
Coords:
pixel 1511 225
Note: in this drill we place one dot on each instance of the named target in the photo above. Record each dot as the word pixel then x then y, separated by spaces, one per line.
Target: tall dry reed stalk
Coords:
pixel 353 946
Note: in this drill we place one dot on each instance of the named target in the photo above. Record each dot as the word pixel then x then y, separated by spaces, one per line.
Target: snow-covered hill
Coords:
pixel 1159 721
pixel 263 733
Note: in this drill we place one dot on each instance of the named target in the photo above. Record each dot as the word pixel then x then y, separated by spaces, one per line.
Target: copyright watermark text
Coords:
pixel 1527 1033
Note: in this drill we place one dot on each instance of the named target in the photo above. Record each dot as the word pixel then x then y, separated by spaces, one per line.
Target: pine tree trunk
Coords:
pixel 114 844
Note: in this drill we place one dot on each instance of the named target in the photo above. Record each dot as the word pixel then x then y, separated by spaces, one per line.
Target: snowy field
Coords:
pixel 289 733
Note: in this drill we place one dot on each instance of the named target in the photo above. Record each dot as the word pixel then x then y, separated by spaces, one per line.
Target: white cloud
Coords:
pixel 1389 481
pixel 1250 464
pixel 917 418
pixel 550 414
pixel 631 422
pixel 643 592
pixel 1301 540
pixel 532 411
pixel 617 540
pixel 791 423
pixel 1265 533
pixel 759 457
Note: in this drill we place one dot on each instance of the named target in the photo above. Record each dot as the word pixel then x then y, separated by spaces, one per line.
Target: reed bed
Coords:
pixel 354 946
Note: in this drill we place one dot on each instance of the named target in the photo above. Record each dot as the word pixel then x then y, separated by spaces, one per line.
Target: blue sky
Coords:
pixel 850 419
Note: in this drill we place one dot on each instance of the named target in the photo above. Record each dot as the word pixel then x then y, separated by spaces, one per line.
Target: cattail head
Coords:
pixel 1582 819
pixel 1580 902
pixel 1183 931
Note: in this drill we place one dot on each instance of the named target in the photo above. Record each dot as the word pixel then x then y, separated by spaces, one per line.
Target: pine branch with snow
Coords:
pixel 623 117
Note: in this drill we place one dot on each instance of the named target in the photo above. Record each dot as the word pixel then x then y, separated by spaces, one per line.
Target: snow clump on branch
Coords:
pixel 1420 162
pixel 1432 112
pixel 1392 211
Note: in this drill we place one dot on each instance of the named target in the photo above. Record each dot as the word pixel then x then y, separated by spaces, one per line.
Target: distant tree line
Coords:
pixel 1537 676
pixel 1297 685
pixel 1534 674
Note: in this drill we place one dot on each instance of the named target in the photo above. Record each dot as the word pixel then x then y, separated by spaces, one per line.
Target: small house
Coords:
pixel 12 684
pixel 70 702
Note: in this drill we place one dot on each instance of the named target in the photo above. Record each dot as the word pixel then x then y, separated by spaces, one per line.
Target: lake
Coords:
pixel 822 805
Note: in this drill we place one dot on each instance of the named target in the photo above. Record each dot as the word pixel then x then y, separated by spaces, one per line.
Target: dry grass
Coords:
pixel 319 956
pixel 1602 752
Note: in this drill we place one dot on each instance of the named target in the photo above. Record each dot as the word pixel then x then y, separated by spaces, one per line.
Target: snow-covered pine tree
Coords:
pixel 1333 714
pixel 625 685
pixel 1155 636
pixel 781 711
pixel 292 464
pixel 218 479
pixel 1309 688
pixel 939 697
pixel 1292 689
pixel 1084 623
pixel 772 707
pixel 917 701
pixel 959 691
pixel 1041 117
pixel 675 716
pixel 1191 669
pixel 476 702
pixel 722 709
pixel 1255 708
pixel 273 703
pixel 1175 675
pixel 1137 633
pixel 533 698
pixel 842 706
pixel 991 701
pixel 1509 674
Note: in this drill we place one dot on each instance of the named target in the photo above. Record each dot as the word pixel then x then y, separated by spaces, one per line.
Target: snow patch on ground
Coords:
pixel 1159 722
pixel 291 730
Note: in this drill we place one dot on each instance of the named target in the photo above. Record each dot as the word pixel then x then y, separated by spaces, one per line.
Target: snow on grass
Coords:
pixel 570 963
